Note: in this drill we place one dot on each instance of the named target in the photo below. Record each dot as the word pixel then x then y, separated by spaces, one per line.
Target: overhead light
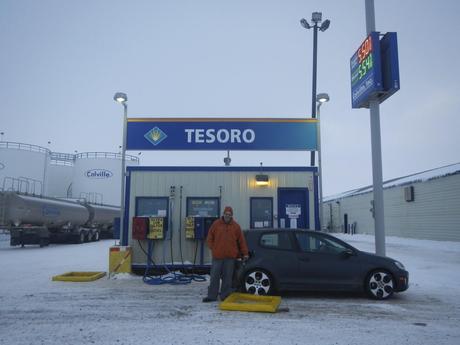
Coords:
pixel 227 160
pixel 322 97
pixel 262 180
pixel 120 97
pixel 325 25
pixel 316 17
pixel 304 23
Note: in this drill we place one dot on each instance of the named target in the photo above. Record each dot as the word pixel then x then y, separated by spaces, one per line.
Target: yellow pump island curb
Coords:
pixel 78 276
pixel 247 302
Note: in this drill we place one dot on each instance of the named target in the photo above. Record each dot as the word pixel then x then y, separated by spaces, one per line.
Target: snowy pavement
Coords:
pixel 36 310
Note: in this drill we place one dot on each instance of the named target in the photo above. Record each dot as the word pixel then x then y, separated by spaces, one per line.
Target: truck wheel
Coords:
pixel 96 236
pixel 81 237
pixel 44 242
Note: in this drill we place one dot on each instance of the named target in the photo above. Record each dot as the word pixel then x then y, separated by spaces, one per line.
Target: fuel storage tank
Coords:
pixel 60 173
pixel 25 209
pixel 23 167
pixel 97 176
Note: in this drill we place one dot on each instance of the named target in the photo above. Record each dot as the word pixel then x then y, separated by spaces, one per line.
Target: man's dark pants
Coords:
pixel 221 268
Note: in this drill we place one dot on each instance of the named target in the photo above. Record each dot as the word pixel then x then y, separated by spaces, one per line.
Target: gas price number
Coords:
pixel 364 61
pixel 364 58
pixel 366 78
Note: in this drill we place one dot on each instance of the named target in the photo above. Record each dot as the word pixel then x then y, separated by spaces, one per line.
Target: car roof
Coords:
pixel 277 229
pixel 254 234
pixel 257 232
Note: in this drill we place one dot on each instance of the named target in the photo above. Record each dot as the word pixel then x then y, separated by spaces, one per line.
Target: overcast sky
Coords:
pixel 63 60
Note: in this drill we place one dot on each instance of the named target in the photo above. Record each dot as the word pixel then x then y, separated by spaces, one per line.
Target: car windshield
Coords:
pixel 314 243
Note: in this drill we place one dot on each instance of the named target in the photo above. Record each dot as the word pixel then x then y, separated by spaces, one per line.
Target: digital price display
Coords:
pixel 366 73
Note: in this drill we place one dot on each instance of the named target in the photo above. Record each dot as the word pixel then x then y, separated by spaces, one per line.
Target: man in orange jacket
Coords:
pixel 227 243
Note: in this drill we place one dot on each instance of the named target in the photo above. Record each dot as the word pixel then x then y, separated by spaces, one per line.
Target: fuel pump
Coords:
pixel 162 228
pixel 157 228
pixel 197 228
pixel 140 226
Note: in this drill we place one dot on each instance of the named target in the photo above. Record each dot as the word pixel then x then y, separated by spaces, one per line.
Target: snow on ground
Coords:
pixel 36 310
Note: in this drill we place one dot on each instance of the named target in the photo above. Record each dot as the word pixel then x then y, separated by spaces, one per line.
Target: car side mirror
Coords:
pixel 347 253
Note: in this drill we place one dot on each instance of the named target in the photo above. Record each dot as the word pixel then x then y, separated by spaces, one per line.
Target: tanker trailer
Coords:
pixel 40 220
pixel 101 220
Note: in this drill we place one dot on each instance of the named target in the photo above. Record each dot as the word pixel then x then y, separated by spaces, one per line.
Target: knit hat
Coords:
pixel 228 209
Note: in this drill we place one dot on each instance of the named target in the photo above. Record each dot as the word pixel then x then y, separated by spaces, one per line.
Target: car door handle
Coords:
pixel 304 259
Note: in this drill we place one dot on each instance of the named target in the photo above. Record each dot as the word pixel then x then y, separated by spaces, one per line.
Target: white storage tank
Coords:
pixel 23 167
pixel 97 176
pixel 60 174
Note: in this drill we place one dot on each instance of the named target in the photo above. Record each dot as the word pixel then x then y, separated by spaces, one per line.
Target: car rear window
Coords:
pixel 278 240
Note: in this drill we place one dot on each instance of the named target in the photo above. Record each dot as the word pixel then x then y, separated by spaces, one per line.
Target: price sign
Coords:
pixel 366 72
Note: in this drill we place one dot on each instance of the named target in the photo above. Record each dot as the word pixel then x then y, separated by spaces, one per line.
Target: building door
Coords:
pixel 261 210
pixel 293 208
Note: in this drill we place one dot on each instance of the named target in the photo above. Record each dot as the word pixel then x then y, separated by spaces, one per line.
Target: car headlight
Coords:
pixel 399 265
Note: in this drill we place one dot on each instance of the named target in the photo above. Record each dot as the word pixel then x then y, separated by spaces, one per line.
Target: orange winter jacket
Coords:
pixel 226 241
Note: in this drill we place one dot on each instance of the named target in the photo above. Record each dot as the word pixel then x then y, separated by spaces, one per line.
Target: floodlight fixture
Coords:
pixel 304 23
pixel 316 17
pixel 322 97
pixel 262 180
pixel 325 25
pixel 120 97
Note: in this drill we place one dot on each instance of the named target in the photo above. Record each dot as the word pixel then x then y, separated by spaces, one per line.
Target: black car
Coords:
pixel 295 259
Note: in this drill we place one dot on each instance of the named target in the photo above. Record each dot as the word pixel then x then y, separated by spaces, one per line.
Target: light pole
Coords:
pixel 316 19
pixel 320 99
pixel 122 98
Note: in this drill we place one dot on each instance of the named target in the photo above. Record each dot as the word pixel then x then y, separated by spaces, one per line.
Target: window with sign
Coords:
pixel 261 212
pixel 203 207
pixel 151 206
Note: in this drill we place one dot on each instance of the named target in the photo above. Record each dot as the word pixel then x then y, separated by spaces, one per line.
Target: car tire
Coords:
pixel 258 282
pixel 380 284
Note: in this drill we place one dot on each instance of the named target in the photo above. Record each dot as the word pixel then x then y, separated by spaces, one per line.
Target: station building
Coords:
pixel 184 201
pixel 424 205
pixel 169 210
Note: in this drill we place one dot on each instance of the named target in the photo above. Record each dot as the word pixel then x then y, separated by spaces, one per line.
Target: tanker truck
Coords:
pixel 43 220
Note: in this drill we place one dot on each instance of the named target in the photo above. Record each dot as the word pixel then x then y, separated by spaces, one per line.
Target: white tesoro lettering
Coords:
pixel 223 136
pixel 249 136
pixel 189 134
pixel 199 135
pixel 209 136
pixel 235 136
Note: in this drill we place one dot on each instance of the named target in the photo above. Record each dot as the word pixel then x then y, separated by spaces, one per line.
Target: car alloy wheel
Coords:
pixel 380 285
pixel 257 282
